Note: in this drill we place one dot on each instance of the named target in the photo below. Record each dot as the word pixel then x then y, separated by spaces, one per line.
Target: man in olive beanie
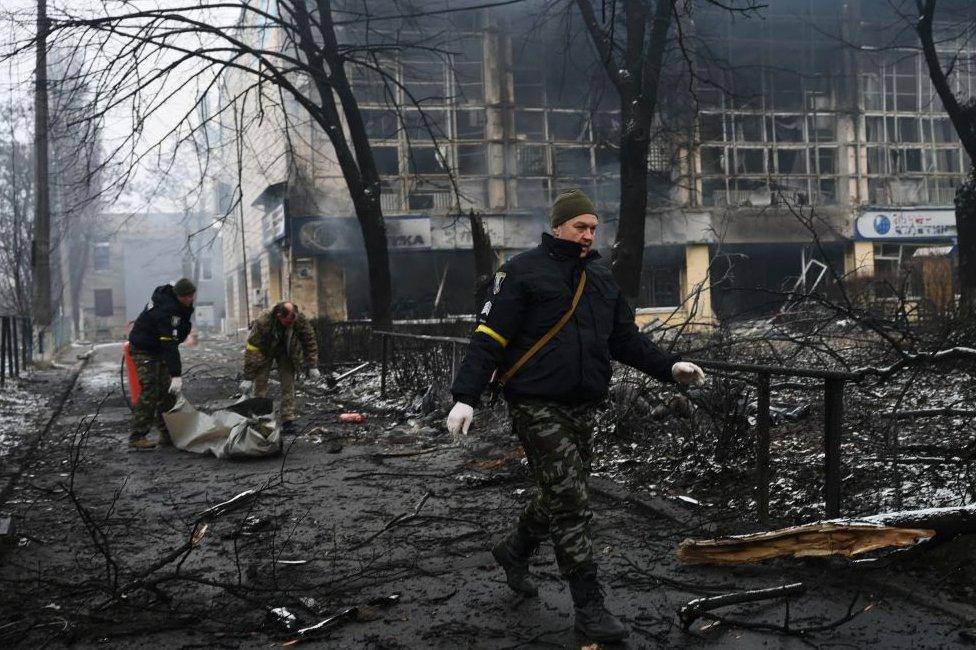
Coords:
pixel 569 205
pixel 552 324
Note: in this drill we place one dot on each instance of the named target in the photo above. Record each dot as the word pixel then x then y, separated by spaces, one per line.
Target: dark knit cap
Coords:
pixel 184 287
pixel 570 204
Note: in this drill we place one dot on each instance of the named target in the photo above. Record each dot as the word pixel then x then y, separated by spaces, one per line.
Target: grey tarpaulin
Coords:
pixel 247 429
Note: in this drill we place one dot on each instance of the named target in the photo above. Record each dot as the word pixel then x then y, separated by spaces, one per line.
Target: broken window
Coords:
pixel 420 125
pixel 532 160
pixel 380 124
pixel 471 124
pixel 571 127
pixel 369 86
pixel 532 192
pixel 788 128
pixel 791 161
pixel 713 160
pixel 826 161
pixel 749 192
pixel 908 130
pixel 468 70
pixel 713 192
pixel 387 160
pixel 748 128
pixel 571 161
pixel 472 159
pixel 822 128
pixel 530 125
pixel 660 287
pixel 528 76
pixel 712 128
pixel 749 161
pixel 424 80
pixel 426 160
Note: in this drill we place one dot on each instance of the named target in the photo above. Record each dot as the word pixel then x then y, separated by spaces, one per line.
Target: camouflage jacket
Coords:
pixel 269 341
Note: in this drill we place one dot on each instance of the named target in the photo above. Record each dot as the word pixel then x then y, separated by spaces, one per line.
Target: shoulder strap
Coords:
pixel 548 335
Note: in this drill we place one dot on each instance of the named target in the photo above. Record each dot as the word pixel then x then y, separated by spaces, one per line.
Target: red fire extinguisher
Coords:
pixel 135 388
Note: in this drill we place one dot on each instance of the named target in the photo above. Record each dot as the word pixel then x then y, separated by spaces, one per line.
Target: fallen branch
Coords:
pixel 788 629
pixel 695 608
pixel 396 521
pixel 847 537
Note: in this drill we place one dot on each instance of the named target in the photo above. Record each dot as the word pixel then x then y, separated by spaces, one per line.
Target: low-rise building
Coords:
pixel 131 254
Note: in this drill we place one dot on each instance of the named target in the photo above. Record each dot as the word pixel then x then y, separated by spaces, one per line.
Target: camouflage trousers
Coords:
pixel 557 440
pixel 154 398
pixel 286 374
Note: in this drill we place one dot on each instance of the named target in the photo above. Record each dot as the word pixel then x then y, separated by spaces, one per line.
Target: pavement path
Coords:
pixel 329 531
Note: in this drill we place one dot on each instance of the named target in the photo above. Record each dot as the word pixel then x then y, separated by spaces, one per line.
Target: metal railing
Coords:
pixel 834 381
pixel 439 359
pixel 833 384
pixel 16 346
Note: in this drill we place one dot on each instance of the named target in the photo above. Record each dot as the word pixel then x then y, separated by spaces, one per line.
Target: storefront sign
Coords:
pixel 906 224
pixel 318 235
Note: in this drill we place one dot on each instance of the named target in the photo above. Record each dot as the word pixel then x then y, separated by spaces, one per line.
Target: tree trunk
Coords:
pixel 41 252
pixel 966 231
pixel 371 222
pixel 628 249
pixel 484 259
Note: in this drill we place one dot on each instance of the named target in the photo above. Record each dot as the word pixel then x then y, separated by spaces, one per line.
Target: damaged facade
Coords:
pixel 787 118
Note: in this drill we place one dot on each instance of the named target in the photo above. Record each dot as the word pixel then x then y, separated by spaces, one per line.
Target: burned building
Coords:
pixel 804 133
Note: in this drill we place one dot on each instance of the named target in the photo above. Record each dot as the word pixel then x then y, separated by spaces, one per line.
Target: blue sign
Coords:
pixel 882 224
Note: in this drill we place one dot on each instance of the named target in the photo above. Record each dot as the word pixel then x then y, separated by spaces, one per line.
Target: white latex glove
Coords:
pixel 245 387
pixel 459 419
pixel 176 385
pixel 685 372
pixel 314 373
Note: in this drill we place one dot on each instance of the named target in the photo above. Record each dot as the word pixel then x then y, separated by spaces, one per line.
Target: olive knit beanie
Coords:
pixel 184 287
pixel 570 204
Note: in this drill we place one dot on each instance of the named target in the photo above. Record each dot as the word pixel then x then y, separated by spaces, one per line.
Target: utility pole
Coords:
pixel 41 249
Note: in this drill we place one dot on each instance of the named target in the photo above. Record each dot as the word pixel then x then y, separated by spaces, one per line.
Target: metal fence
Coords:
pixel 419 360
pixel 16 346
pixel 346 341
pixel 833 426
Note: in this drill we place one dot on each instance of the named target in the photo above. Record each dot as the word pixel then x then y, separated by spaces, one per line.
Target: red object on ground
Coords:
pixel 135 388
pixel 353 418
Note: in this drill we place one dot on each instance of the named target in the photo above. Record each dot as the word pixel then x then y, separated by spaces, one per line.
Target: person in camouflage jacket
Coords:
pixel 282 337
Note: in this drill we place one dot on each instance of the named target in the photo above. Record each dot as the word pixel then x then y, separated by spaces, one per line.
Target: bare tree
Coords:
pixel 633 38
pixel 962 112
pixel 16 202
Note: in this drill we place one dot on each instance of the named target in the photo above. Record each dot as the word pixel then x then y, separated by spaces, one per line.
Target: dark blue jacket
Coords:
pixel 530 294
pixel 161 327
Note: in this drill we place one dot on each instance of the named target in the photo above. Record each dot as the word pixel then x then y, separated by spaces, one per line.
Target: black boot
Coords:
pixel 592 617
pixel 513 553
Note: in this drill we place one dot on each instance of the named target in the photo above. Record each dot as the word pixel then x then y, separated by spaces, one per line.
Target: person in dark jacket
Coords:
pixel 153 345
pixel 552 395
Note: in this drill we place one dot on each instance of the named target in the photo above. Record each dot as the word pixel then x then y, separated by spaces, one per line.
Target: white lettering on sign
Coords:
pixel 406 241
pixel 906 224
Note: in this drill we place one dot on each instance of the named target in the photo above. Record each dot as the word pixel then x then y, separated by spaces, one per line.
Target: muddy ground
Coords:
pixel 99 554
